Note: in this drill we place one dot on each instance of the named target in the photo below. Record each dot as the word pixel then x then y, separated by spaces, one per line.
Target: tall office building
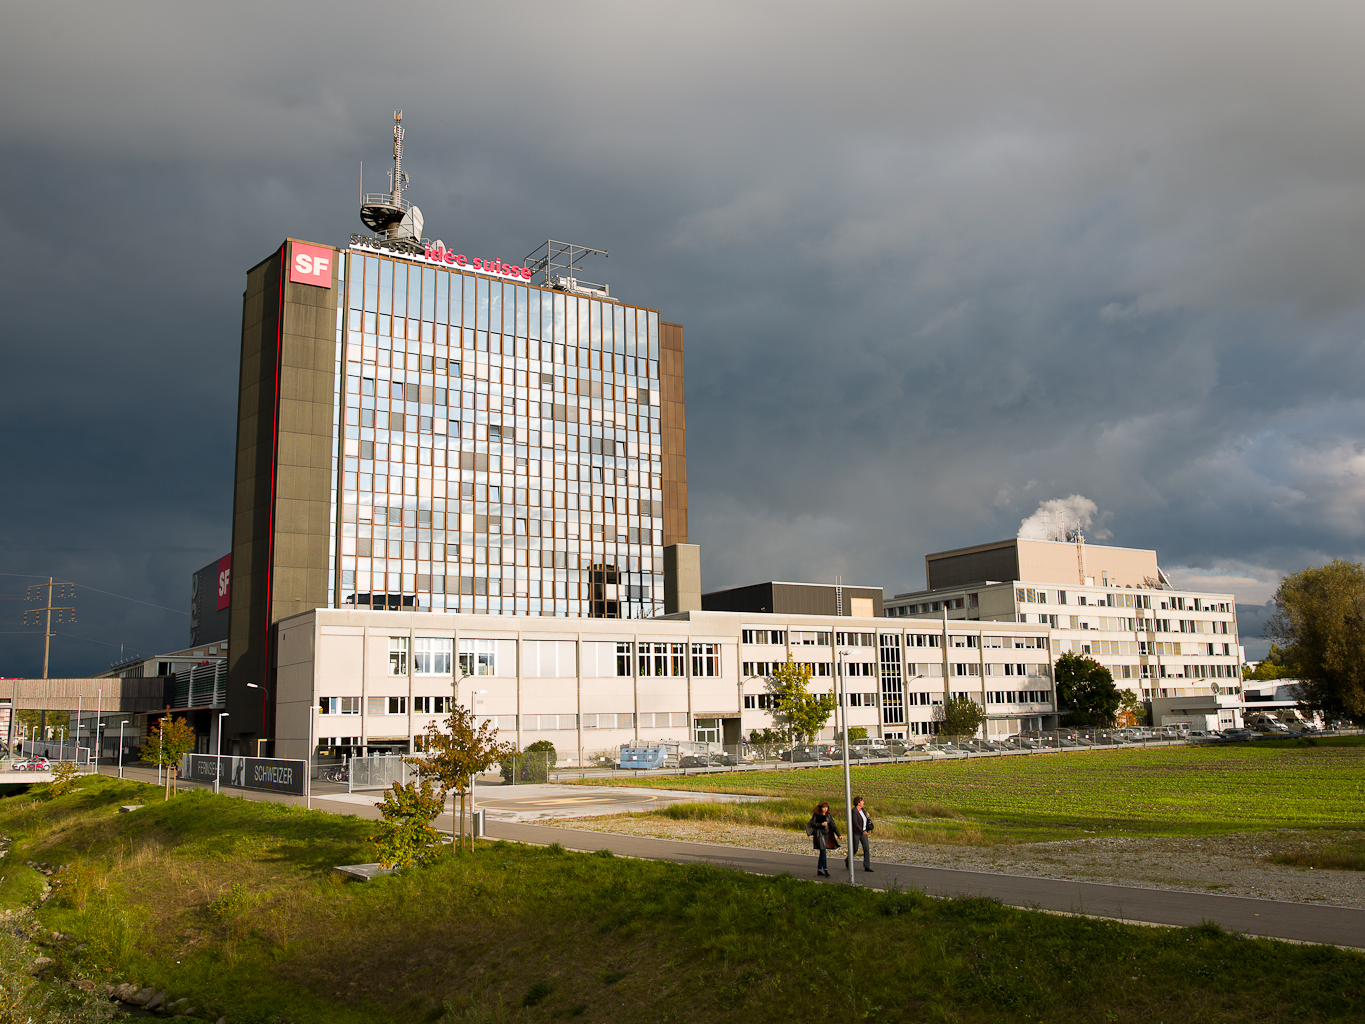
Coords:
pixel 422 430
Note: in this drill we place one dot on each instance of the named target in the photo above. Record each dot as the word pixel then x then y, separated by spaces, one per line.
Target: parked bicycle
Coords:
pixel 341 773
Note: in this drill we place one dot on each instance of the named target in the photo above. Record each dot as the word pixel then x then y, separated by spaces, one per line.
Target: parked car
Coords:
pixel 814 752
pixel 695 761
pixel 33 764
pixel 873 747
pixel 729 760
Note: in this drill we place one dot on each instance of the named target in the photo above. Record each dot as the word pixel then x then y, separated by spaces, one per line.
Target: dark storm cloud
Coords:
pixel 937 263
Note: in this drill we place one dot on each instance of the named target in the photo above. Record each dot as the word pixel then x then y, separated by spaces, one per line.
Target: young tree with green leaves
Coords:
pixel 1275 666
pixel 1320 619
pixel 803 712
pixel 768 740
pixel 1131 710
pixel 456 754
pixel 1086 690
pixel 168 740
pixel 960 716
pixel 404 834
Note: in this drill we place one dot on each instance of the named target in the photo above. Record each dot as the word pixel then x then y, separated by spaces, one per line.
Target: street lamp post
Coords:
pixel 218 762
pixel 848 782
pixel 120 747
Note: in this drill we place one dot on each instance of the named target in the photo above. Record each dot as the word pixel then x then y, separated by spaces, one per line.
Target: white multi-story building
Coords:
pixel 1175 649
pixel 362 680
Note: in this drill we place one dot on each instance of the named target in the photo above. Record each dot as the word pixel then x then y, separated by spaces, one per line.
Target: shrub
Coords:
pixel 405 835
pixel 64 776
pixel 531 765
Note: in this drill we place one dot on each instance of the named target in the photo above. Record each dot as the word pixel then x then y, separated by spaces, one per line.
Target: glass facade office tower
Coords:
pixel 418 436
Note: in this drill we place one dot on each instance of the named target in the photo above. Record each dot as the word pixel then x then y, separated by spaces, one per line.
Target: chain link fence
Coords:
pixel 377 771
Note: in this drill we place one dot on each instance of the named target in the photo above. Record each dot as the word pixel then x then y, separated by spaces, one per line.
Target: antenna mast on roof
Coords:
pixel 389 215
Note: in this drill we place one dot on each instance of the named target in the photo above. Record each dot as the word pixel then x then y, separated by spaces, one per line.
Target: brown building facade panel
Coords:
pixel 673 423
pixel 282 500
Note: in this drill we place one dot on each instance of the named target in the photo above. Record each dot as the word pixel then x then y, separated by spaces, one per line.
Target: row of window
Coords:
pixel 410 299
pixel 551 658
pixel 1017 697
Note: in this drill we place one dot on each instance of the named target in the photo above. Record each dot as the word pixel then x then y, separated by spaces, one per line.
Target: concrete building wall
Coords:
pixel 1062 564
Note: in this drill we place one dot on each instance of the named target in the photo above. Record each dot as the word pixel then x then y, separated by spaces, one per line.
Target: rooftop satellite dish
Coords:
pixel 410 226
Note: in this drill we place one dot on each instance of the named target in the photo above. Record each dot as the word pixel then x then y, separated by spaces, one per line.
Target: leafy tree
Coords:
pixel 456 754
pixel 803 712
pixel 1275 666
pixel 1131 710
pixel 960 716
pixel 404 834
pixel 857 733
pixel 1086 689
pixel 1320 618
pixel 168 740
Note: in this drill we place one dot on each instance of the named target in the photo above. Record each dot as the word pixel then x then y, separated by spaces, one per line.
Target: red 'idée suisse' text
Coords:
pixel 440 254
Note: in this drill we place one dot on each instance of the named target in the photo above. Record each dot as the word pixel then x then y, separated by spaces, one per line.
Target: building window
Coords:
pixel 764 636
pixel 856 639
pixel 706 659
pixel 339 705
pixel 623 659
pixel 398 655
pixel 758 701
pixel 432 705
pixel 477 657
pixel 809 637
pixel 431 656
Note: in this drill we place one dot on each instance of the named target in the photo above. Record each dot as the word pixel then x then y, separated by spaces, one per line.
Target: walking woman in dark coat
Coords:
pixel 824 834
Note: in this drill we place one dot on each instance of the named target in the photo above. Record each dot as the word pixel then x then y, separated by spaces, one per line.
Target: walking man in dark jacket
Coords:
pixel 862 828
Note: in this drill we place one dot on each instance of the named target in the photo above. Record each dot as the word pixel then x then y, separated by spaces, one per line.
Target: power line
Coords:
pixel 97 590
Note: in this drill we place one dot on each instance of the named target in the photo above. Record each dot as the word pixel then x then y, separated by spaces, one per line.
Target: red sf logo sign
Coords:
pixel 224 581
pixel 311 264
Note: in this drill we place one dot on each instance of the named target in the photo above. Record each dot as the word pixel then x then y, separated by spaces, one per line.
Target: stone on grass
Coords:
pixel 141 997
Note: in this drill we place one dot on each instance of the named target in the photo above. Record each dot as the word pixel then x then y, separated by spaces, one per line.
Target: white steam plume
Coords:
pixel 1059 519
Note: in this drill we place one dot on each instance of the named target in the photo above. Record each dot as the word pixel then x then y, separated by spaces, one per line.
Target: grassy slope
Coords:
pixel 231 902
pixel 1161 791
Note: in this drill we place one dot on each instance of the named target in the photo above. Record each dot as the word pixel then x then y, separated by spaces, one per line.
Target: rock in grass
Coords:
pixel 41 962
pixel 157 1000
pixel 141 997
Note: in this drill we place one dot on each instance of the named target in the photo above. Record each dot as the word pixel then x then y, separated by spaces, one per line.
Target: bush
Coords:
pixel 531 765
pixel 405 835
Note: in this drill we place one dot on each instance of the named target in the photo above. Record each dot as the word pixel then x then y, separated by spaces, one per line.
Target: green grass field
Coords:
pixel 1165 791
pixel 231 903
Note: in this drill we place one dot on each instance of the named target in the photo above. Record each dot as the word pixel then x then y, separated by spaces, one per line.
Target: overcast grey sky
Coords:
pixel 937 263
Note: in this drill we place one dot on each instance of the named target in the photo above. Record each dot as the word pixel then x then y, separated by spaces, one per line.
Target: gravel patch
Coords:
pixel 1232 865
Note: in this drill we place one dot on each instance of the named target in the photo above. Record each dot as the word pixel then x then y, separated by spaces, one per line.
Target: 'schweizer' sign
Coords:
pixel 271 774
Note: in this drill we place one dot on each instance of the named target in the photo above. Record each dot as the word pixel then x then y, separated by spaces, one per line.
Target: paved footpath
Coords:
pixel 1300 922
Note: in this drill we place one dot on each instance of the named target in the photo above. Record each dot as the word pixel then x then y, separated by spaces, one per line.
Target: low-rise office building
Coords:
pixel 359 680
pixel 1176 649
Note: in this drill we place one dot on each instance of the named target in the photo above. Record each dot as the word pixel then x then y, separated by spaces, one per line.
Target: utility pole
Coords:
pixel 67 592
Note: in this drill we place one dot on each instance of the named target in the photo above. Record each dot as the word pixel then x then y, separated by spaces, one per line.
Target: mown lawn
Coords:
pixel 231 903
pixel 1166 791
